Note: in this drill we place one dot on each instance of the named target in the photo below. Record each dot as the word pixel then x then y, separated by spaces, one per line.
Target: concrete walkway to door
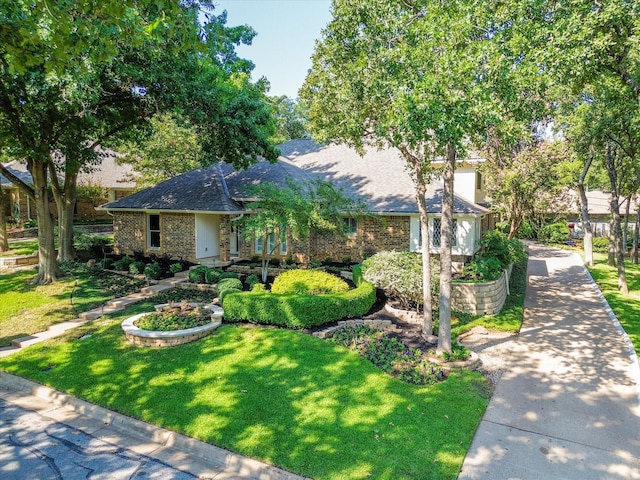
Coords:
pixel 568 405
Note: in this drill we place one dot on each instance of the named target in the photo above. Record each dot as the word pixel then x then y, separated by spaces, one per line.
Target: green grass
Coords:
pixel 24 247
pixel 510 317
pixel 281 396
pixel 26 308
pixel 626 307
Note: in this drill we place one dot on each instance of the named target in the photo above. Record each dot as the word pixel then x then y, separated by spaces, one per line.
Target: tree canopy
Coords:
pixel 73 77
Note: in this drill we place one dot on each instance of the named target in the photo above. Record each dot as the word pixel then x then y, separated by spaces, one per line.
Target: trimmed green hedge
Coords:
pixel 300 311
pixel 314 282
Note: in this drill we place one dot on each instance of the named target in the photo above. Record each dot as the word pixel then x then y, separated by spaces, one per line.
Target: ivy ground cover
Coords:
pixel 287 398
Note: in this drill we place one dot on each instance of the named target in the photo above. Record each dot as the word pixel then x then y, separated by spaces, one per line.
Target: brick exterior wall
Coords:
pixel 129 232
pixel 374 234
pixel 177 234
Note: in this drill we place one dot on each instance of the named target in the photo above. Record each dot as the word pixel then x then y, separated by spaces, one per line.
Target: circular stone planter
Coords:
pixel 471 363
pixel 153 338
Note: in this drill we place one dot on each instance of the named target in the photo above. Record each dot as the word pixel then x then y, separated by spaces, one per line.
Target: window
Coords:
pixel 350 226
pixel 258 246
pixel 478 181
pixel 437 232
pixel 271 244
pixel 153 231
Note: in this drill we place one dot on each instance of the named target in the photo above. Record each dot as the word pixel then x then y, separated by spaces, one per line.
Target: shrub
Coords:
pixel 300 311
pixel 389 354
pixel 198 274
pixel 228 275
pixel 152 271
pixel 251 280
pixel 498 245
pixel 136 268
pixel 314 282
pixel 600 244
pixel 483 268
pixel 226 283
pixel 554 233
pixel 258 287
pixel 399 274
pixel 123 264
pixel 212 276
pixel 222 295
pixel 106 263
pixel 175 267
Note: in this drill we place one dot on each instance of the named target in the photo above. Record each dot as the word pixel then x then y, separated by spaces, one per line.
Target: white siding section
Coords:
pixel 467 235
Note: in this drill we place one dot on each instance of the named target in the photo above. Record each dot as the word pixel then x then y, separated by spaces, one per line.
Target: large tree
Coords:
pixel 294 211
pixel 60 100
pixel 589 50
pixel 406 75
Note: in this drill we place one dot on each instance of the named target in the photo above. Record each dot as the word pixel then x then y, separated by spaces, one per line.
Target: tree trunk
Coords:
pixel 66 203
pixel 421 194
pixel 584 214
pixel 48 271
pixel 4 241
pixel 634 252
pixel 611 251
pixel 446 240
pixel 625 228
pixel 619 250
pixel 616 227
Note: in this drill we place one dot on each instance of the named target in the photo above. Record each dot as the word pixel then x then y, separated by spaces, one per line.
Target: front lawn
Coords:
pixel 626 307
pixel 282 396
pixel 26 308
pixel 22 247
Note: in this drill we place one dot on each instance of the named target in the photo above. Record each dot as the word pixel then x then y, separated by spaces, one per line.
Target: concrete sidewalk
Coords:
pixel 568 405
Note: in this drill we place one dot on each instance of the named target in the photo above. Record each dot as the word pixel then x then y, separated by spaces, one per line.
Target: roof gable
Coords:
pixel 202 189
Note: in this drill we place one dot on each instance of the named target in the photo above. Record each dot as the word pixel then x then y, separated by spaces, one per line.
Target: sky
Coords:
pixel 287 31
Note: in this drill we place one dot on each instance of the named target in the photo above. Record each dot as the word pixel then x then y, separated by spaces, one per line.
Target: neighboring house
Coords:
pixel 191 216
pixel 114 179
pixel 599 208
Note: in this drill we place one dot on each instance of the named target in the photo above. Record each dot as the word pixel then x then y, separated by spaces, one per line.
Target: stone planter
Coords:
pixel 471 363
pixel 152 338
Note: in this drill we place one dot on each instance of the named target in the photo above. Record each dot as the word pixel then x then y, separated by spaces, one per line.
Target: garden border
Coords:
pixel 151 338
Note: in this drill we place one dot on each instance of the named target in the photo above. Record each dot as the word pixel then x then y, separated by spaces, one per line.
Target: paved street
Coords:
pixel 39 448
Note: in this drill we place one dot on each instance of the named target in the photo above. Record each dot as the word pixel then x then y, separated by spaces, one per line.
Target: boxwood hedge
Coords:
pixel 300 311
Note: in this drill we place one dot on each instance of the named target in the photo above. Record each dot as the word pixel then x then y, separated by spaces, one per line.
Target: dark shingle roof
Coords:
pixel 201 189
pixel 261 172
pixel 19 170
pixel 379 178
pixel 107 172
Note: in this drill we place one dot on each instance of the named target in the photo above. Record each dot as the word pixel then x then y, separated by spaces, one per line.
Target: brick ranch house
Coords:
pixel 191 216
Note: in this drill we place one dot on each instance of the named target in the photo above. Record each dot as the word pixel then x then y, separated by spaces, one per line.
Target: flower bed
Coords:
pixel 167 338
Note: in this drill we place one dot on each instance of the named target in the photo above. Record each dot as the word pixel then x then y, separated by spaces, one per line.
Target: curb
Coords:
pixel 223 462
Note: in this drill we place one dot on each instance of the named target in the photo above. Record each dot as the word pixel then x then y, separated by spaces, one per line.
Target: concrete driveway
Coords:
pixel 567 407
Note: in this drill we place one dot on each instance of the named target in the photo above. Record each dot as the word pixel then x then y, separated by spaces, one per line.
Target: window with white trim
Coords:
pixel 436 233
pixel 153 230
pixel 271 239
pixel 350 226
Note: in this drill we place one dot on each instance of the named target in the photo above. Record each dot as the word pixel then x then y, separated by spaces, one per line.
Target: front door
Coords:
pixel 207 235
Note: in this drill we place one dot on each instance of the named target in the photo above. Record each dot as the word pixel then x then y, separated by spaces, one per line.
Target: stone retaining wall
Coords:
pixel 19 261
pixel 481 298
